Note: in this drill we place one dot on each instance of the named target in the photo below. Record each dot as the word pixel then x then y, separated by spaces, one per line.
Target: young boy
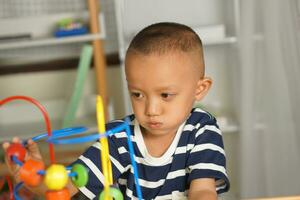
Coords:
pixel 178 149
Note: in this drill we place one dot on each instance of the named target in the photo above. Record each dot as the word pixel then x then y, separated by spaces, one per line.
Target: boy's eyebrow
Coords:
pixel 171 87
pixel 162 88
pixel 131 86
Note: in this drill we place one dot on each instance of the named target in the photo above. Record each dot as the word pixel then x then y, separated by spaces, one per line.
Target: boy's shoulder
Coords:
pixel 201 117
pixel 117 122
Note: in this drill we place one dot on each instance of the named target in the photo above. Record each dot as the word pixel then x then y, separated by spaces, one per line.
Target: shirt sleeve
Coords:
pixel 91 159
pixel 207 157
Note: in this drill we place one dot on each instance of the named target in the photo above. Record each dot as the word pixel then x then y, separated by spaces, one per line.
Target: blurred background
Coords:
pixel 251 51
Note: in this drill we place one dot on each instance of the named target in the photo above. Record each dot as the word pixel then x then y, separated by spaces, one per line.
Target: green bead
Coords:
pixel 82 176
pixel 113 192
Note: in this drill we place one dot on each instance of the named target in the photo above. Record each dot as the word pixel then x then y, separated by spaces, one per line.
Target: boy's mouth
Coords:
pixel 154 125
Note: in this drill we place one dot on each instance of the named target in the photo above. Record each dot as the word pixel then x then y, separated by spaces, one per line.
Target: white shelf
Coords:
pixel 49 41
pixel 214 34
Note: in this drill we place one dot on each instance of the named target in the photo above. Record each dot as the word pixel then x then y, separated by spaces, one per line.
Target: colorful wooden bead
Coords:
pixel 29 172
pixel 63 194
pixel 16 149
pixel 113 192
pixel 81 177
pixel 56 177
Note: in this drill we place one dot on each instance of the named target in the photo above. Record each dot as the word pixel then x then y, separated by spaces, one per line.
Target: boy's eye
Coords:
pixel 136 95
pixel 166 95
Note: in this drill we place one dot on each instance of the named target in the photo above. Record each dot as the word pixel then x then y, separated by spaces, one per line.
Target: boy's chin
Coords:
pixel 157 131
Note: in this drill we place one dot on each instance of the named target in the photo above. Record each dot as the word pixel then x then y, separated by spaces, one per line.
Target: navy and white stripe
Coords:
pixel 196 152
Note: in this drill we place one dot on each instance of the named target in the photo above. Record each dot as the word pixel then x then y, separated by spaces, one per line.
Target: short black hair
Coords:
pixel 164 37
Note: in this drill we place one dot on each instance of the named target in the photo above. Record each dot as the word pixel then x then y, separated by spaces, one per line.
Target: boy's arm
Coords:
pixel 203 188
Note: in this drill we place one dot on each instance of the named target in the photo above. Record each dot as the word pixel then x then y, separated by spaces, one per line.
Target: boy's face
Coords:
pixel 163 89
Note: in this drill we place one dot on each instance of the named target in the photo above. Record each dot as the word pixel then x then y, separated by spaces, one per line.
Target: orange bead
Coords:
pixel 63 194
pixel 29 172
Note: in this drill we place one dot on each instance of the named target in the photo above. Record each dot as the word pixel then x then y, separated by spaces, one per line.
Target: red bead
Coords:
pixel 16 149
pixel 63 194
pixel 29 172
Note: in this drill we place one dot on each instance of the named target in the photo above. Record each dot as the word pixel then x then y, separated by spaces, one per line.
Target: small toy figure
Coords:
pixel 70 27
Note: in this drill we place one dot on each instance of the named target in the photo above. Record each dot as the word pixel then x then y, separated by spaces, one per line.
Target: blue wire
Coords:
pixel 69 132
pixel 76 130
pixel 85 139
pixel 72 174
pixel 125 126
pixel 17 187
pixel 77 140
pixel 17 161
pixel 131 153
pixel 41 172
pixel 61 132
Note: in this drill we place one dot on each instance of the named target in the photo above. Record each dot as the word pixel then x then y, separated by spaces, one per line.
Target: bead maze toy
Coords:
pixel 55 177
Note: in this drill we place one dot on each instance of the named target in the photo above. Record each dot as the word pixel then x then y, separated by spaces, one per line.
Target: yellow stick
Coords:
pixel 106 164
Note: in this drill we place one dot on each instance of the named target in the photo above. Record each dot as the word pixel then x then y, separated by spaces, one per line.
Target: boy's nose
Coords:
pixel 152 108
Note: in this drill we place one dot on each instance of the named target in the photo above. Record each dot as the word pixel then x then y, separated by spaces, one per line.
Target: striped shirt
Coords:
pixel 197 151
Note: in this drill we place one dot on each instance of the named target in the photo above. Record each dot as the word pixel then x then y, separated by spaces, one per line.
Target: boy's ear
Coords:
pixel 203 87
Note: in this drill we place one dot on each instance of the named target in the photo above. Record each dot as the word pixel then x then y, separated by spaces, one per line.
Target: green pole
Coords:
pixel 83 68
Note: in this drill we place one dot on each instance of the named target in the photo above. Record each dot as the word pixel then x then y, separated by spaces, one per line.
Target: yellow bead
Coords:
pixel 56 177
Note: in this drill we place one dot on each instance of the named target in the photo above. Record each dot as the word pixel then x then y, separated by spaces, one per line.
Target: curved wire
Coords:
pixel 17 187
pixel 10 187
pixel 2 182
pixel 45 115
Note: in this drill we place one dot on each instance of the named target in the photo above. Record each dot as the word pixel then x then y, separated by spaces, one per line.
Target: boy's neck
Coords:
pixel 157 145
